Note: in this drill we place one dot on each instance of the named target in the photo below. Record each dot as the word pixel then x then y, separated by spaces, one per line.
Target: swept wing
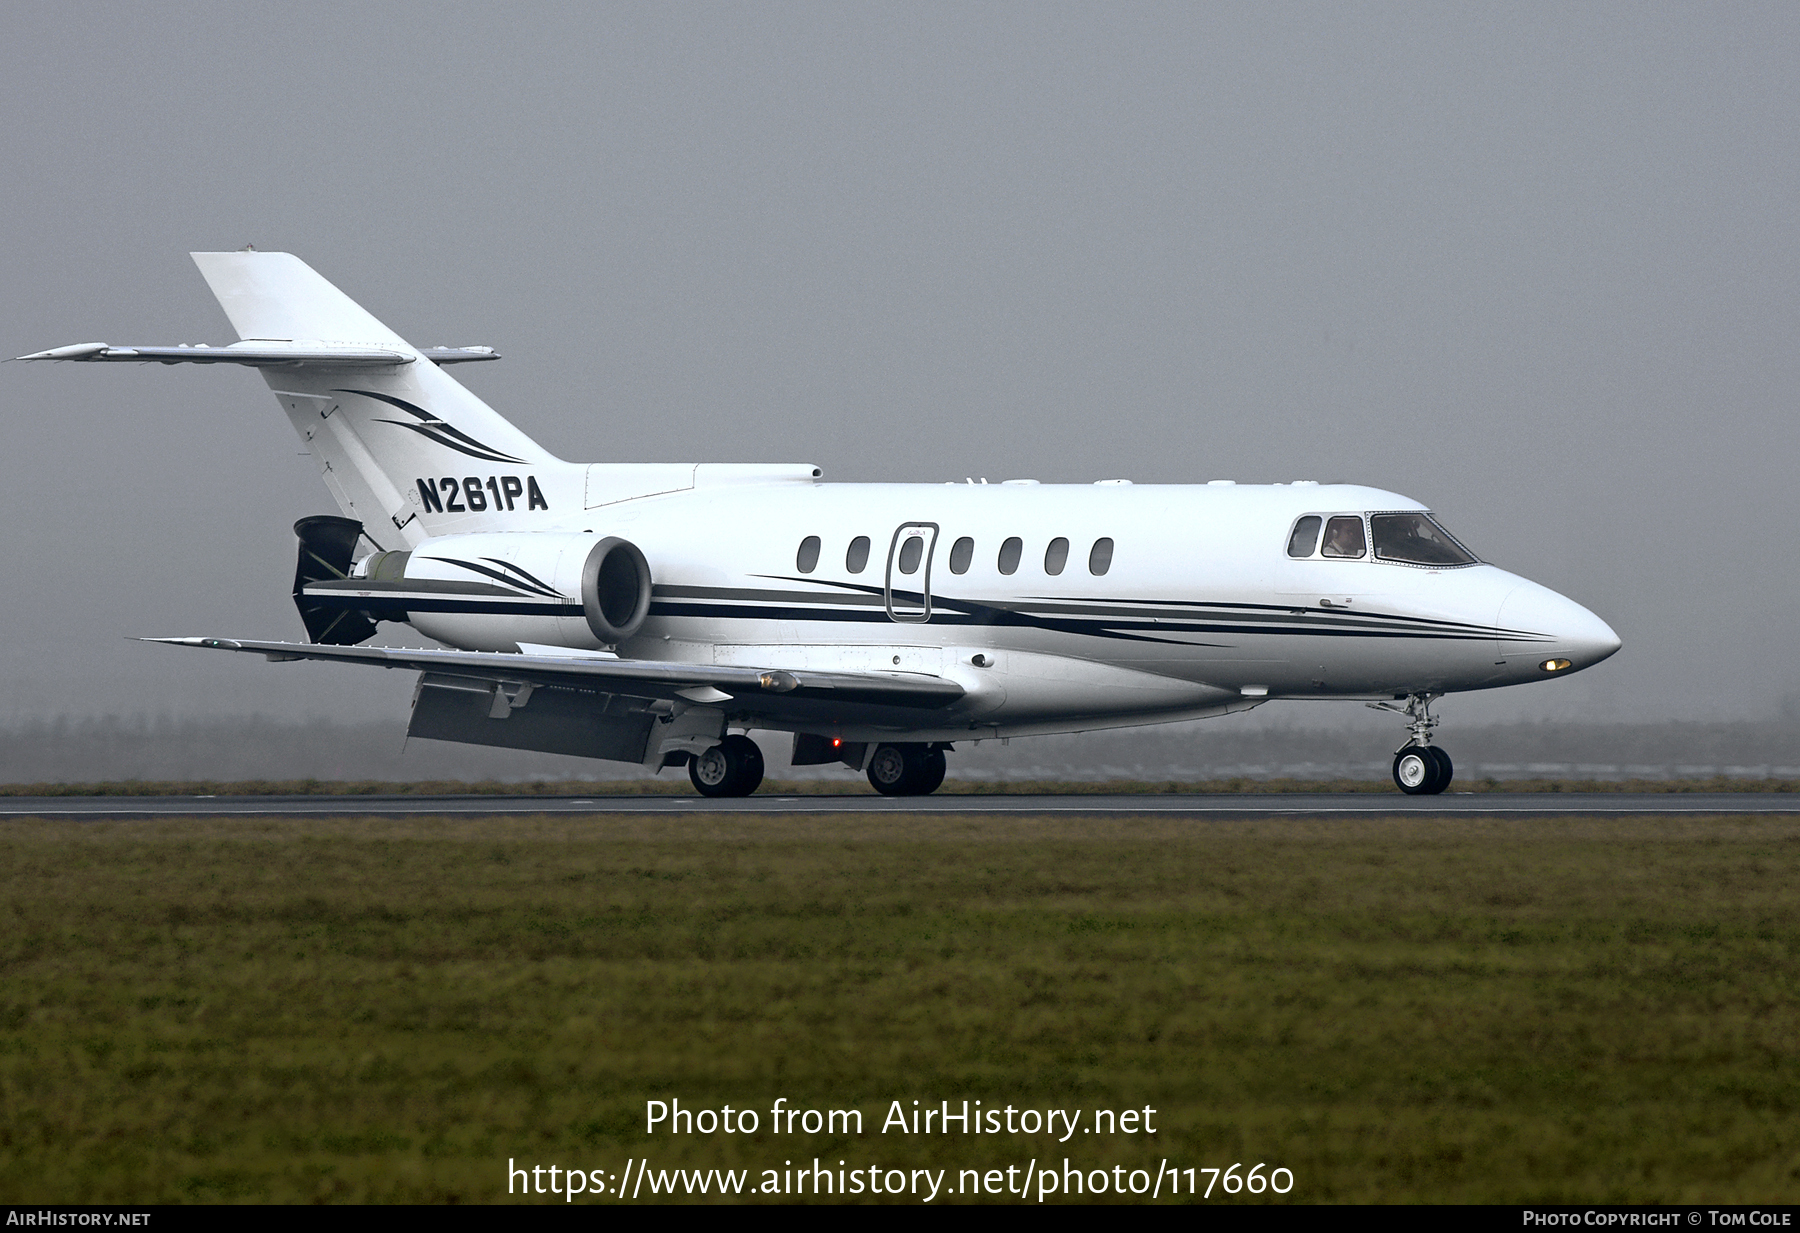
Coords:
pixel 774 693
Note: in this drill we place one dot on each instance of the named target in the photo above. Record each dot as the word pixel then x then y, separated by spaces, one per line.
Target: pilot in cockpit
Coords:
pixel 1344 538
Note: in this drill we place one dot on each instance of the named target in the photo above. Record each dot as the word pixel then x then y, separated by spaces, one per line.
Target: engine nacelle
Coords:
pixel 494 591
pixel 615 589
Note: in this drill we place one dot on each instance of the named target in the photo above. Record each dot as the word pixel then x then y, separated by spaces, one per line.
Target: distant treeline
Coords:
pixel 243 749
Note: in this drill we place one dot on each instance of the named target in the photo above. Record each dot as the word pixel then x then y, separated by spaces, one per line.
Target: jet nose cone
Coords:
pixel 1593 639
pixel 1537 623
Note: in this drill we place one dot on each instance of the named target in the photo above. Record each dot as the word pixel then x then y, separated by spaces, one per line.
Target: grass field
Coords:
pixel 1395 1010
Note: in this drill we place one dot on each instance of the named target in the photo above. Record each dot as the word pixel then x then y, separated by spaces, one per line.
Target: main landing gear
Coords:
pixel 1420 768
pixel 906 770
pixel 733 767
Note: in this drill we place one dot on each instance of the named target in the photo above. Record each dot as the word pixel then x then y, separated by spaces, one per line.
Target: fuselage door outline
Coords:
pixel 900 553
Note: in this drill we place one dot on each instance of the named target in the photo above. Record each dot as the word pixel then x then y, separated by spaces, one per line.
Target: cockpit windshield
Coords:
pixel 1416 540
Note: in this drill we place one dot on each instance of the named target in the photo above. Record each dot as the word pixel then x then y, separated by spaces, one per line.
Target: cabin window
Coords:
pixel 857 559
pixel 1305 537
pixel 1344 537
pixel 1056 556
pixel 808 558
pixel 961 553
pixel 910 553
pixel 1416 539
pixel 1010 552
pixel 1100 557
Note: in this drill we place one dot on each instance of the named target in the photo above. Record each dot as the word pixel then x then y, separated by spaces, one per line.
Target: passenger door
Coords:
pixel 909 568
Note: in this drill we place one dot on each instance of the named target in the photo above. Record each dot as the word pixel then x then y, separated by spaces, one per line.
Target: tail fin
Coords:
pixel 394 443
pixel 278 297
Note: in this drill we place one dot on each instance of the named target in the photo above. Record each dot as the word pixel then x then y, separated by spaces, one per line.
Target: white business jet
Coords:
pixel 655 613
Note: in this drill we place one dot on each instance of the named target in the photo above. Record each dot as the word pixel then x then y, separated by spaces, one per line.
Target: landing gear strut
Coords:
pixel 733 767
pixel 906 770
pixel 1420 768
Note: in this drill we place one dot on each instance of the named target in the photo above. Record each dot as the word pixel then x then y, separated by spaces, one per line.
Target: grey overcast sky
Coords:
pixel 1532 264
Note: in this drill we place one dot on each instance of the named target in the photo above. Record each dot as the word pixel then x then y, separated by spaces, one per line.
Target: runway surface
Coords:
pixel 1347 805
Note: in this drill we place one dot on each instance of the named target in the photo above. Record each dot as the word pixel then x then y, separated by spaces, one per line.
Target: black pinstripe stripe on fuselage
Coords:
pixel 1114 618
pixel 1117 619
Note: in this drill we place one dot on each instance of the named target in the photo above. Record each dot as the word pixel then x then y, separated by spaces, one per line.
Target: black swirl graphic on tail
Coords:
pixel 434 429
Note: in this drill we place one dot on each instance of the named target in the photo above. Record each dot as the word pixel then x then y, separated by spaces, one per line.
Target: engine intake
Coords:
pixel 615 589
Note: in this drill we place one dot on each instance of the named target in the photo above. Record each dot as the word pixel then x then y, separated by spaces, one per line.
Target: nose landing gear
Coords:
pixel 1420 768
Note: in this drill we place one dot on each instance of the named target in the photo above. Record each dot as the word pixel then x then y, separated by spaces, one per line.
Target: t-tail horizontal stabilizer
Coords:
pixel 263 355
pixel 376 421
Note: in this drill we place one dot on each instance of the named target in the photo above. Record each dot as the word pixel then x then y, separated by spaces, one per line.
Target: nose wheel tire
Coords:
pixel 906 770
pixel 1446 770
pixel 1422 770
pixel 733 767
